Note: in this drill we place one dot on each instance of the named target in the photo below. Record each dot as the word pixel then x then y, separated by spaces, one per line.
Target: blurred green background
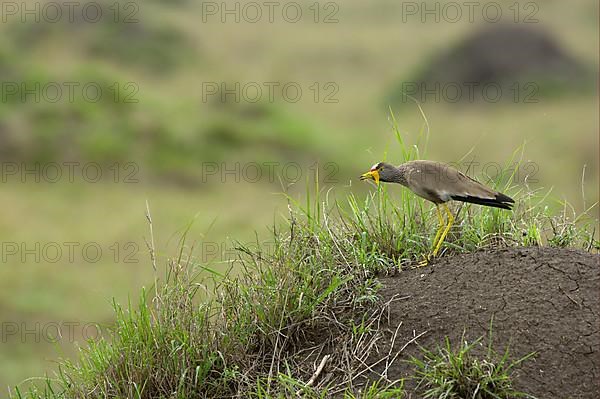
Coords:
pixel 170 101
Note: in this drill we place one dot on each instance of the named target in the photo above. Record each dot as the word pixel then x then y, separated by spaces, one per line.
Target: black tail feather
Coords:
pixel 501 201
pixel 504 198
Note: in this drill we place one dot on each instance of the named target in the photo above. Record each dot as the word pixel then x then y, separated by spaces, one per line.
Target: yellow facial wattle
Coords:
pixel 372 174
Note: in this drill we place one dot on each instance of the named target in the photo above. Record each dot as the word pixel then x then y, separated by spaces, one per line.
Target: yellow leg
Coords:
pixel 446 230
pixel 438 233
pixel 441 226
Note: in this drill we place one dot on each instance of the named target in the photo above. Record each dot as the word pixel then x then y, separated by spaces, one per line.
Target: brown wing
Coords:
pixel 439 183
pixel 470 190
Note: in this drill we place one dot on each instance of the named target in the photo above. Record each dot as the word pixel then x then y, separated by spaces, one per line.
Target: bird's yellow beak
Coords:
pixel 372 174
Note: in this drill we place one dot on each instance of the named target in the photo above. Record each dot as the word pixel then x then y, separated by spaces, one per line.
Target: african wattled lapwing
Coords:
pixel 438 183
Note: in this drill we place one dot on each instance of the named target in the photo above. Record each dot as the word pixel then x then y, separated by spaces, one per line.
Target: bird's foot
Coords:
pixel 425 261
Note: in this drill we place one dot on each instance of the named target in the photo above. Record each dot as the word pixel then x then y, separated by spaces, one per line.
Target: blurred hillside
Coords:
pixel 206 113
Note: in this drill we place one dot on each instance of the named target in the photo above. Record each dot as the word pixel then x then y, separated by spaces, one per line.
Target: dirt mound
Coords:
pixel 515 60
pixel 542 300
pixel 504 52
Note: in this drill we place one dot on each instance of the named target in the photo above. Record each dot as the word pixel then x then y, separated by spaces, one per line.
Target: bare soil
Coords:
pixel 542 300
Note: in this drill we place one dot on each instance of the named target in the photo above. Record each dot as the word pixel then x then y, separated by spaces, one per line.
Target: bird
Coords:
pixel 439 183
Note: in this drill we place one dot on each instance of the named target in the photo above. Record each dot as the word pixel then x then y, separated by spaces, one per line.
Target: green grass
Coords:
pixel 245 339
pixel 458 373
pixel 306 296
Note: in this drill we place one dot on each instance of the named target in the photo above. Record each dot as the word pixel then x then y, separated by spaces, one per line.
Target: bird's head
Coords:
pixel 381 171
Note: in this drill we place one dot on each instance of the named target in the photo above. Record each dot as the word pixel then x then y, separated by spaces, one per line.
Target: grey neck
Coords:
pixel 400 174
